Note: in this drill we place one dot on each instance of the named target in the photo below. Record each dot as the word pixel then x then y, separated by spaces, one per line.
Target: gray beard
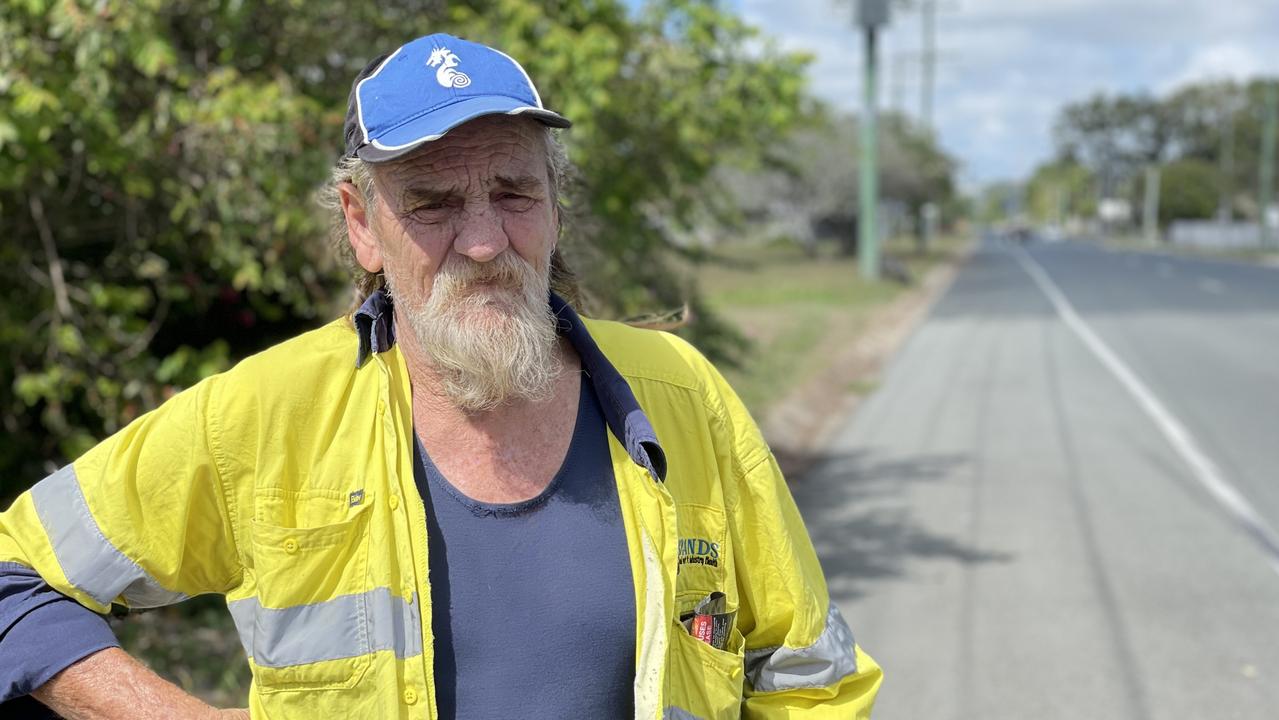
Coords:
pixel 488 345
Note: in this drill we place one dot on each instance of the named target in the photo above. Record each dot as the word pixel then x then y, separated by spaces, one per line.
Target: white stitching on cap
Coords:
pixel 359 106
pixel 536 97
pixel 429 138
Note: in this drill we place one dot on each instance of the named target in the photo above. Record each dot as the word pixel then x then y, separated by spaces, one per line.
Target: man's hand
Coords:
pixel 110 684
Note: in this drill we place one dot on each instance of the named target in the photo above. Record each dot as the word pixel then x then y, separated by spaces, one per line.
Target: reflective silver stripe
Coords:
pixel 821 664
pixel 346 626
pixel 242 612
pixel 678 713
pixel 90 562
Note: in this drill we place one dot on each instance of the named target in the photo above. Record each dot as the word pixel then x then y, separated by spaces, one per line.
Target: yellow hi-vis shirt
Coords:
pixel 286 484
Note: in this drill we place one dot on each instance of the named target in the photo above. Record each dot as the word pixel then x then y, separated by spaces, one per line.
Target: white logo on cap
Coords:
pixel 446 76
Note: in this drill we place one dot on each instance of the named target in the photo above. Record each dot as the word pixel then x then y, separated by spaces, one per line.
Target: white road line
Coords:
pixel 1201 466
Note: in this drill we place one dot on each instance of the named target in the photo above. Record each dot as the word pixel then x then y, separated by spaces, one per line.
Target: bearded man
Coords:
pixel 464 500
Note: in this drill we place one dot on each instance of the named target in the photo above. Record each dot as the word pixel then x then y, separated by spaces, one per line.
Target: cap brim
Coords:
pixel 432 126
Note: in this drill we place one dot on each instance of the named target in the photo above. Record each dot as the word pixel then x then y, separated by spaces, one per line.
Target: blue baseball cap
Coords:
pixel 430 86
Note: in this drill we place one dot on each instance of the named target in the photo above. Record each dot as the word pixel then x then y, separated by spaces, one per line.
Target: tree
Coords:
pixel 1059 191
pixel 1187 191
pixel 810 180
pixel 915 168
pixel 1117 137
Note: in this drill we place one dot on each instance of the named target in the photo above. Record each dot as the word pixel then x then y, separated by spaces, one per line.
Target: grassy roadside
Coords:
pixel 798 309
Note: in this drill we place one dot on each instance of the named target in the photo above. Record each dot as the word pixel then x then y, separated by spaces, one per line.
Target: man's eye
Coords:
pixel 515 202
pixel 430 213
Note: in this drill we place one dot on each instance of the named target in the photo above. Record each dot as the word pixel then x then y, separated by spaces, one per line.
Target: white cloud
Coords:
pixel 1006 68
pixel 1222 62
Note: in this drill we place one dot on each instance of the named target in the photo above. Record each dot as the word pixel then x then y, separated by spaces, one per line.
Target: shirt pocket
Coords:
pixel 310 625
pixel 701 680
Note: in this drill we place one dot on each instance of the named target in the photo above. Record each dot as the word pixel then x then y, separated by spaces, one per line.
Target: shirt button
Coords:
pixel 394 502
pixel 408 591
pixel 290 546
pixel 381 407
pixel 410 696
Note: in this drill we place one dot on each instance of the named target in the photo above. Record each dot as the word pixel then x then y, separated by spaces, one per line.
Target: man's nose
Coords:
pixel 480 235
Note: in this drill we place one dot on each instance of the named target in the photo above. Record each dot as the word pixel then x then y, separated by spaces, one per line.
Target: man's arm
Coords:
pixel 65 655
pixel 42 632
pixel 801 657
pixel 142 519
pixel 110 684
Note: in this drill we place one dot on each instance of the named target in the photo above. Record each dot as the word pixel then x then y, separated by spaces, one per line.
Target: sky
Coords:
pixel 1005 67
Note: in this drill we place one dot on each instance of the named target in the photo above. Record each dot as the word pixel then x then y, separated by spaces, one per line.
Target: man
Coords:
pixel 461 501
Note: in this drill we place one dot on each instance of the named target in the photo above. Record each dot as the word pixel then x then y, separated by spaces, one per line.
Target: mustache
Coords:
pixel 505 271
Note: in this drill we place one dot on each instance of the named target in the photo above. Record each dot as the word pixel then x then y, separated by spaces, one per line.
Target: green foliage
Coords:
pixel 1117 133
pixel 1058 191
pixel 157 161
pixel 915 168
pixel 1116 137
pixel 156 194
pixel 1187 191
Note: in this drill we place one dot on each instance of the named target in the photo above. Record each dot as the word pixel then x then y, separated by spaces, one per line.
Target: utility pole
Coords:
pixel 927 60
pixel 1225 210
pixel 1150 215
pixel 871 15
pixel 1266 175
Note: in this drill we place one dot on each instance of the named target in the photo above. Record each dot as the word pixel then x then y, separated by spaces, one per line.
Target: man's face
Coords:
pixel 463 230
pixel 472 197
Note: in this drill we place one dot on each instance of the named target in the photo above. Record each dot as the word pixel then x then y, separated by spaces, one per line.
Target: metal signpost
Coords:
pixel 871 15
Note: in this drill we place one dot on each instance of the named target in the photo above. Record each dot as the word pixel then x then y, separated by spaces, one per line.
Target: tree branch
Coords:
pixel 153 327
pixel 61 301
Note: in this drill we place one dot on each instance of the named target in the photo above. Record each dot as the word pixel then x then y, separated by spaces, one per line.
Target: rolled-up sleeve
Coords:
pixel 42 632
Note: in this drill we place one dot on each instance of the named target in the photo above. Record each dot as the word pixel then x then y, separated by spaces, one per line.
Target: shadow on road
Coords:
pixel 863 525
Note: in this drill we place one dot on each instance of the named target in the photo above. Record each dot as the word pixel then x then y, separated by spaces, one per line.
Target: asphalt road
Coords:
pixel 1061 502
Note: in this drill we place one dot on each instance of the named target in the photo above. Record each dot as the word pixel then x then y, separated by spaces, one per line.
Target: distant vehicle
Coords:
pixel 1020 233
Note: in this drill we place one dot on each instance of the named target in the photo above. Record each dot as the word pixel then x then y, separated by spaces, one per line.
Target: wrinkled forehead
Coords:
pixel 473 155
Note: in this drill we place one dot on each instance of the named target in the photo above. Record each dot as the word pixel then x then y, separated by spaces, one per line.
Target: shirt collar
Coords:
pixel 373 323
pixel 625 418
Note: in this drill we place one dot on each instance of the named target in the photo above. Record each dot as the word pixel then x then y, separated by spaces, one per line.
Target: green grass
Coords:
pixel 798 310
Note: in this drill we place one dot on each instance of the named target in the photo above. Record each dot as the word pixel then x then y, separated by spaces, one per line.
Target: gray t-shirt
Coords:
pixel 533 603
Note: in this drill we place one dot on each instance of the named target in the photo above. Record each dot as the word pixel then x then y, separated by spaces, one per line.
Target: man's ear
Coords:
pixel 358 228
